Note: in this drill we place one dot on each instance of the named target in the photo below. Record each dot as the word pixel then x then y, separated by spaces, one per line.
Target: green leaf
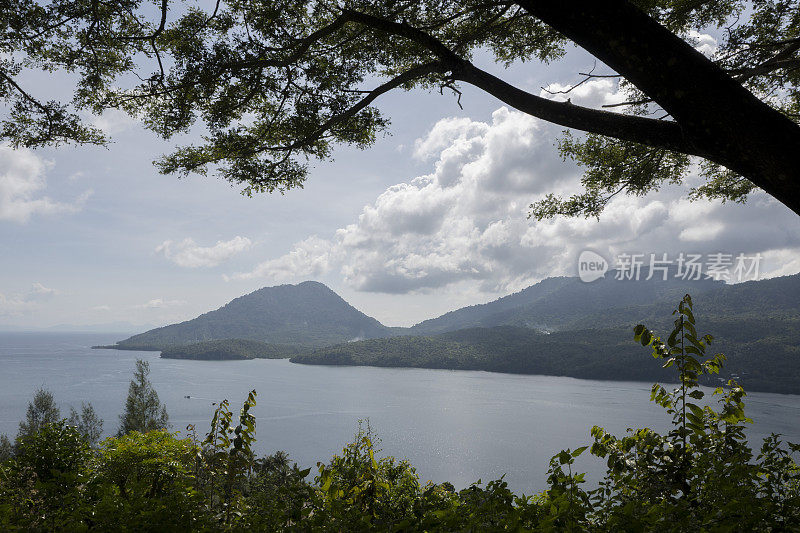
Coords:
pixel 695 410
pixel 672 340
pixel 579 451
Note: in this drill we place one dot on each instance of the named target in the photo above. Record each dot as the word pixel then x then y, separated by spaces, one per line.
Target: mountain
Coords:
pixel 564 327
pixel 306 314
pixel 560 326
pixel 762 354
pixel 567 303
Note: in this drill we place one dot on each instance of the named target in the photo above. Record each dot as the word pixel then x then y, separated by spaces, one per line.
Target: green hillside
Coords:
pixel 560 326
pixel 306 314
pixel 230 349
pixel 763 353
pixel 558 303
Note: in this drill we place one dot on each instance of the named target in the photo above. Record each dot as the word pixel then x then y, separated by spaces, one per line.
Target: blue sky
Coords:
pixel 429 219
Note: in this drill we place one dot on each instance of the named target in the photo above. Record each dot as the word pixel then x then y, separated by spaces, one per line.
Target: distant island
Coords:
pixel 560 326
pixel 230 349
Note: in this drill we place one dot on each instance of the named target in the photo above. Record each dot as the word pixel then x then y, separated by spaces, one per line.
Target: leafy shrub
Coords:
pixel 42 486
pixel 144 482
pixel 700 476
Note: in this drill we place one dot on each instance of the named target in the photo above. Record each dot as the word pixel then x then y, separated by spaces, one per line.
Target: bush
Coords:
pixel 42 487
pixel 700 476
pixel 144 482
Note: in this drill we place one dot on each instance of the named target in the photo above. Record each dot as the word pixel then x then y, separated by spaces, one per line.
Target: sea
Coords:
pixel 463 427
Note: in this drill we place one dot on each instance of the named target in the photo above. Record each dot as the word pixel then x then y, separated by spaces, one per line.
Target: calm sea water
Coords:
pixel 453 426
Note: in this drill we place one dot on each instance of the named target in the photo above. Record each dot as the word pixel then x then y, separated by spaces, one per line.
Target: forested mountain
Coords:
pixel 560 326
pixel 559 303
pixel 306 314
pixel 762 353
pixel 567 303
pixel 564 327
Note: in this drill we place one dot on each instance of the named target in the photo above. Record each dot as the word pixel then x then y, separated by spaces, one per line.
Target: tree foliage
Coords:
pixel 87 422
pixel 143 410
pixel 275 84
pixel 42 410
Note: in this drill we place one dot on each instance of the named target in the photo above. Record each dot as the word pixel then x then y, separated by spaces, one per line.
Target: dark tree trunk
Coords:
pixel 717 116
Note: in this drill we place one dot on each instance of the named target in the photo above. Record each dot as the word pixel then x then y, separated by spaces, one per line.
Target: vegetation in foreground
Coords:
pixel 700 476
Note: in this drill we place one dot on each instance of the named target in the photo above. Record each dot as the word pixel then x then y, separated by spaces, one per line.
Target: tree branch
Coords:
pixel 43 108
pixel 406 77
pixel 638 129
pixel 782 59
pixel 717 116
pixel 300 49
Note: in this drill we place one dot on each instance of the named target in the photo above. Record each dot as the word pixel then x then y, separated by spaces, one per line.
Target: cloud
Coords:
pixel 160 303
pixel 101 308
pixel 112 121
pixel 13 306
pixel 26 301
pixel 308 258
pixel 703 43
pixel 22 178
pixel 39 292
pixel 187 253
pixel 465 223
pixel 593 93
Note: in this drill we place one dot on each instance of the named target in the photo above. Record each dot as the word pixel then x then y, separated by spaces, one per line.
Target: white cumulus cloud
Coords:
pixel 22 180
pixel 308 258
pixel 160 303
pixel 593 93
pixel 466 222
pixel 26 301
pixel 189 254
pixel 703 43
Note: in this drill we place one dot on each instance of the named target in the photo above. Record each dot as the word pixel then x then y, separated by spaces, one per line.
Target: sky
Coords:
pixel 429 219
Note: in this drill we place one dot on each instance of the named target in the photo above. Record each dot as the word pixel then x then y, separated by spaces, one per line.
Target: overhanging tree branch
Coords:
pixel 717 116
pixel 398 81
pixel 645 130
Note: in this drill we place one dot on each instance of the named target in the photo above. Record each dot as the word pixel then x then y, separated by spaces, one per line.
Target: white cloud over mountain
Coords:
pixel 160 303
pixel 466 221
pixel 22 180
pixel 189 254
pixel 308 258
